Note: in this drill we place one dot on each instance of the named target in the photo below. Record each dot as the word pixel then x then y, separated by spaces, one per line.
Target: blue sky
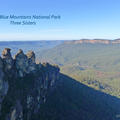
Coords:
pixel 79 19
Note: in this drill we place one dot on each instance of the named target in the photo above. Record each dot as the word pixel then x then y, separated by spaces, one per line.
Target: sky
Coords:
pixel 79 19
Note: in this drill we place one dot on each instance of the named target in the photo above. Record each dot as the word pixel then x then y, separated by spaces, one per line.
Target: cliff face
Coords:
pixel 94 41
pixel 24 85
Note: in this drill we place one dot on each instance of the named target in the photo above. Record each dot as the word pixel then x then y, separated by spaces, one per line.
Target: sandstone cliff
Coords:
pixel 94 41
pixel 24 85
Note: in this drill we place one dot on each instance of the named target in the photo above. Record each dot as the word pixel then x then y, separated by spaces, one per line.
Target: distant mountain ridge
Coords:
pixel 94 41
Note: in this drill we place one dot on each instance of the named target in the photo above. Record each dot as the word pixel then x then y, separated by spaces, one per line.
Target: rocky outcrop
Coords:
pixel 24 85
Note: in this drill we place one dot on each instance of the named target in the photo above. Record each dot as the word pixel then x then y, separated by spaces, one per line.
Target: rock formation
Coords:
pixel 7 59
pixel 24 85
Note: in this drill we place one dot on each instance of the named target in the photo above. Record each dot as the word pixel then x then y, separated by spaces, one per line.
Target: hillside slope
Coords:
pixel 72 100
pixel 96 65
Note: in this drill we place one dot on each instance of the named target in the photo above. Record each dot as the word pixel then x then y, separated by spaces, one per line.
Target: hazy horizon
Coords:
pixel 55 40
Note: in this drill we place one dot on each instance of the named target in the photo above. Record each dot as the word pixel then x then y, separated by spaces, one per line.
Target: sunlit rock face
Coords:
pixel 24 85
pixel 31 61
pixel 7 59
pixel 21 63
pixel 31 56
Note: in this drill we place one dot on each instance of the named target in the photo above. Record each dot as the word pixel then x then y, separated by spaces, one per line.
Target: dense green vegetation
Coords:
pixel 96 65
pixel 72 100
